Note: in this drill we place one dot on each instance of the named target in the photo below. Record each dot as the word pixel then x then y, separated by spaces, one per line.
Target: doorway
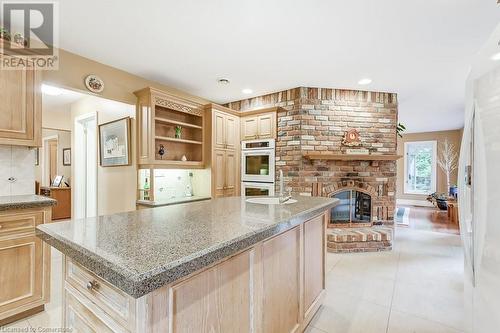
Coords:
pixel 85 166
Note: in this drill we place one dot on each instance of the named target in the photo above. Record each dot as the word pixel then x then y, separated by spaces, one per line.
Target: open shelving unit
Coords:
pixel 158 114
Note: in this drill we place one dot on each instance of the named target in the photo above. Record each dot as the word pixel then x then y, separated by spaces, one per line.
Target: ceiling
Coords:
pixel 418 49
pixel 60 102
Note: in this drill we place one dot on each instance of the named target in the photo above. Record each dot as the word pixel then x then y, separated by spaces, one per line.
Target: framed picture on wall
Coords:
pixel 114 143
pixel 67 156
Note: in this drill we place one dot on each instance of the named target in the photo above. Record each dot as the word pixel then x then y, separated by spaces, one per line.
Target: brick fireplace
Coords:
pixel 314 120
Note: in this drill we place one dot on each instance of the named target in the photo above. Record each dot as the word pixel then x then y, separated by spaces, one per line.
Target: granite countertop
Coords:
pixel 172 201
pixel 25 201
pixel 143 250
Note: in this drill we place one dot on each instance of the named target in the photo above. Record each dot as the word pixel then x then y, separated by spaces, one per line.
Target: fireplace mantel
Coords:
pixel 351 157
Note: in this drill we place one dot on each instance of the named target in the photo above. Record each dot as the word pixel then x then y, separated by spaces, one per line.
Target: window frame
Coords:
pixel 407 190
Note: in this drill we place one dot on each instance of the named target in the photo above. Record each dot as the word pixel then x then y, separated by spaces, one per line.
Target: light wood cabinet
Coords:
pixel 24 263
pixel 258 126
pixel 281 267
pixel 20 103
pixel 273 286
pixel 158 115
pixel 225 173
pixel 225 151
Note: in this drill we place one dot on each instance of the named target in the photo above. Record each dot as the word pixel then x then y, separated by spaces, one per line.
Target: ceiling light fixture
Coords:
pixel 365 81
pixel 51 90
pixel 495 57
pixel 223 81
pixel 247 91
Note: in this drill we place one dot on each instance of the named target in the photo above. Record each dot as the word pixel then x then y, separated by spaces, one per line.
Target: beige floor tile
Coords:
pixel 49 319
pixel 18 326
pixel 404 323
pixel 347 315
pixel 311 329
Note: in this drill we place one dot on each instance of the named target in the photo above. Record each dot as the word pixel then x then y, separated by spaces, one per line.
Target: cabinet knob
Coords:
pixel 92 285
pixel 12 179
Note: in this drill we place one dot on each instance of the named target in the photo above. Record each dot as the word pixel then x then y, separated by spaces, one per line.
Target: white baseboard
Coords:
pixel 410 202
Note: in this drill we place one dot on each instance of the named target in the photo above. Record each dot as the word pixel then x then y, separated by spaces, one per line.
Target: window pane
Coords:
pixel 419 167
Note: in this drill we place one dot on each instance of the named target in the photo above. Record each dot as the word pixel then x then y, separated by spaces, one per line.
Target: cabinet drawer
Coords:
pixel 115 302
pixel 81 315
pixel 19 223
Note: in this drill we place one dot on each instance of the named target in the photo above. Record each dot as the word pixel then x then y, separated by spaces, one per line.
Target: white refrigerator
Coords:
pixel 479 192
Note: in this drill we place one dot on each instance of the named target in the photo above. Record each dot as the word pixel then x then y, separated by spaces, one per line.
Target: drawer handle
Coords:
pixel 92 285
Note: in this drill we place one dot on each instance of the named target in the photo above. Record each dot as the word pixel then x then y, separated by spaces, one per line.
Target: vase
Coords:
pixel 442 204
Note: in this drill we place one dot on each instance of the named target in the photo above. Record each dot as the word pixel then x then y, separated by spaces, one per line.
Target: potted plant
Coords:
pixel 178 132
pixel 439 199
pixel 448 161
pixel 4 34
pixel 400 129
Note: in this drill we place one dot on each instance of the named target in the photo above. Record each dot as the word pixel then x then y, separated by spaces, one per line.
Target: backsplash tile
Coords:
pixel 19 163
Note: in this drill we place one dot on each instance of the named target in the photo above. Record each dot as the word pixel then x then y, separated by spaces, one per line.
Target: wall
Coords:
pixel 453 136
pixel 116 186
pixel 56 118
pixel 63 141
pixel 314 120
pixel 118 85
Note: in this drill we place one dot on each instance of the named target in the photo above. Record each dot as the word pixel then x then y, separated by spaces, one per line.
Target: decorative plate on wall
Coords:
pixel 94 83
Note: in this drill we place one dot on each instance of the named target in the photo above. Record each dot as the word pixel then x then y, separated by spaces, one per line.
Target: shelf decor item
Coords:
pixel 178 132
pixel 351 138
pixel 114 143
pixel 67 156
pixel 448 160
pixel 161 151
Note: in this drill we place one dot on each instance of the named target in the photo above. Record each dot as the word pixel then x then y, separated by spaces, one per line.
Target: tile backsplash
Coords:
pixel 18 164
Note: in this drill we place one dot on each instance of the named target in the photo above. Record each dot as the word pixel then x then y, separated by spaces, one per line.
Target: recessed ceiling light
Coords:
pixel 365 81
pixel 247 91
pixel 223 81
pixel 496 56
pixel 51 90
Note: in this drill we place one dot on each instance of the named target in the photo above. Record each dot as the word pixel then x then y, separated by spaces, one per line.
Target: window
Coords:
pixel 420 167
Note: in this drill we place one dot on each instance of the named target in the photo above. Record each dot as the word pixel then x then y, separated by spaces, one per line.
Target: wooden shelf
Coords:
pixel 165 138
pixel 346 157
pixel 175 122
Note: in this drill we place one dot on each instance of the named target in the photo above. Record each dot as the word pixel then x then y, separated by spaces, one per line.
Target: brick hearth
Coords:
pixel 374 239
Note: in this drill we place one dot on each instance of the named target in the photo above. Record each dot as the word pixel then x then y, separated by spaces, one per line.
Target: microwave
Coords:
pixel 258 161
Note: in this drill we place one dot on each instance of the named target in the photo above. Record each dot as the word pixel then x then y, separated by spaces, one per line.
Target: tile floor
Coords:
pixel 416 288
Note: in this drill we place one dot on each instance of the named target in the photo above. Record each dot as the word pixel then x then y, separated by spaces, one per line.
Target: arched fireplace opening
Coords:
pixel 354 209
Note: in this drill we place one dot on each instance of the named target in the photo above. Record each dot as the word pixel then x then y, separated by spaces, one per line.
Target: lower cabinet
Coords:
pixel 275 286
pixel 225 173
pixel 24 264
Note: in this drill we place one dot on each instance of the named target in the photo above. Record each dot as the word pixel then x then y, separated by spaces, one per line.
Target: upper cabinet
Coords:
pixel 20 107
pixel 170 130
pixel 225 130
pixel 258 126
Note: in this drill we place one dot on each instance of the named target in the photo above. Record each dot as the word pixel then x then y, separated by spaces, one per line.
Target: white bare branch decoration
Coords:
pixel 448 160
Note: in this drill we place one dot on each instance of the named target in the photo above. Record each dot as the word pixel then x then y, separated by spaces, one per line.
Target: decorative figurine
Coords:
pixel 161 151
pixel 178 132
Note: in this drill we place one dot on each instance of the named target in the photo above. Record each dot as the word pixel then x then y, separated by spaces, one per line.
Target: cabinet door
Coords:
pixel 219 134
pixel 232 132
pixel 249 128
pixel 219 173
pixel 314 257
pixel 21 273
pixel 230 172
pixel 281 263
pixel 20 116
pixel 266 126
pixel 216 300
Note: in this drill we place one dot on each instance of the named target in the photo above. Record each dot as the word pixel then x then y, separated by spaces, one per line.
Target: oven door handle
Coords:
pixel 254 152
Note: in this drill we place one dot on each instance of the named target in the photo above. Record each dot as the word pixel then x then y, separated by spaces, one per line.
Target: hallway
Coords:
pixel 416 288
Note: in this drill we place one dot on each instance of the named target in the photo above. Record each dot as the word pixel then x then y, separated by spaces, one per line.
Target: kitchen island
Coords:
pixel 223 265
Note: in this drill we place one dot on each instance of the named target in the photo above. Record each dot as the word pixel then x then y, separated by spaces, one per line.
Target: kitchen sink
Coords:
pixel 269 201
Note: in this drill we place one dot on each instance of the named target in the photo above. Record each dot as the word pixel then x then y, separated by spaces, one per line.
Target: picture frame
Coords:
pixel 57 181
pixel 114 143
pixel 66 156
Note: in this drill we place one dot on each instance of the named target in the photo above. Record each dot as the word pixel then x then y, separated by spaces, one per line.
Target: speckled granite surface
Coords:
pixel 24 201
pixel 172 201
pixel 146 249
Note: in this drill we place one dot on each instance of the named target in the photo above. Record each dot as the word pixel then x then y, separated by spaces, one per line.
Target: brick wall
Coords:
pixel 315 119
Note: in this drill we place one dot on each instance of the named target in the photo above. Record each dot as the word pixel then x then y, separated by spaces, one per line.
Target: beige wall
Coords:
pixel 116 186
pixel 453 136
pixel 57 118
pixel 118 85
